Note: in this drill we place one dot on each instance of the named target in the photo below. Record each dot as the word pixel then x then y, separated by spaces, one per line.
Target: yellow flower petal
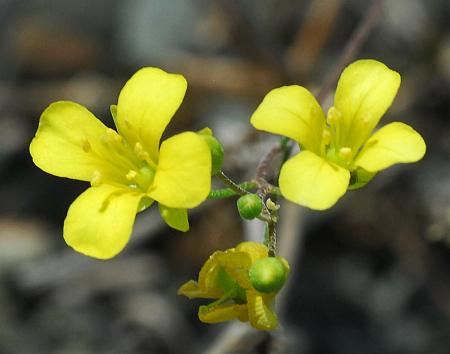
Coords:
pixel 100 220
pixel 236 265
pixel 68 144
pixel 221 313
pixel 191 290
pixel 146 104
pixel 291 111
pixel 364 92
pixel 183 174
pixel 394 143
pixel 260 313
pixel 309 180
pixel 208 276
pixel 175 218
pixel 254 249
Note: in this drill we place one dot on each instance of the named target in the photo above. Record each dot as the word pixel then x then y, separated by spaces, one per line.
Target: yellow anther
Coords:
pixel 140 152
pixel 326 136
pixel 333 115
pixel 345 153
pixel 131 175
pixel 85 145
pixel 111 136
pixel 138 148
pixel 96 179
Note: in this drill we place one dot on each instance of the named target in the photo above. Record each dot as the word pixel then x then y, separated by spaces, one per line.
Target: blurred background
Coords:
pixel 371 275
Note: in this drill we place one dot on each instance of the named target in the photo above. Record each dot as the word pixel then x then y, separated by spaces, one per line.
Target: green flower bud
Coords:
pixel 215 147
pixel 269 274
pixel 249 206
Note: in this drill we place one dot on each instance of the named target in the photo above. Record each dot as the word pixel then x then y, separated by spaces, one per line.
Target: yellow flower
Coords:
pixel 127 169
pixel 341 152
pixel 225 277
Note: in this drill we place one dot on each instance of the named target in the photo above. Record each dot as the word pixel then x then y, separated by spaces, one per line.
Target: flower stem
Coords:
pixel 272 238
pixel 223 193
pixel 267 215
pixel 263 171
pixel 236 188
pixel 228 192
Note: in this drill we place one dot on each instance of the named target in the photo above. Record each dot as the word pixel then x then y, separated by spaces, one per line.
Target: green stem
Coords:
pixel 223 193
pixel 272 238
pixel 228 192
pixel 233 186
pixel 243 189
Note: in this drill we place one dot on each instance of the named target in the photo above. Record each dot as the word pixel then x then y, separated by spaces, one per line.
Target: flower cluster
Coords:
pixel 339 152
pixel 244 284
pixel 128 169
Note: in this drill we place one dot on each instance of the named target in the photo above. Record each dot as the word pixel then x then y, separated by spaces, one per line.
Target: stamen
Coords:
pixel 96 179
pixel 86 145
pixel 131 175
pixel 326 136
pixel 333 116
pixel 111 136
pixel 345 153
pixel 140 153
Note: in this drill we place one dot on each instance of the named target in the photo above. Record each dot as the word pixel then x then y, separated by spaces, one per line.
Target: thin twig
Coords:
pixel 235 187
pixel 264 167
pixel 263 170
pixel 223 193
pixel 353 45
pixel 272 229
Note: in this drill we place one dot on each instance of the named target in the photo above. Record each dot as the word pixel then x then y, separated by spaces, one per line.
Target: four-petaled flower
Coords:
pixel 225 277
pixel 127 169
pixel 341 152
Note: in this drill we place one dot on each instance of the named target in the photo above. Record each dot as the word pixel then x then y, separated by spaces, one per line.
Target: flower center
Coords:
pixel 141 178
pixel 332 149
pixel 342 157
pixel 128 166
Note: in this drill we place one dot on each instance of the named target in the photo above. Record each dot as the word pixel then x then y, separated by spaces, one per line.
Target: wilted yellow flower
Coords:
pixel 340 152
pixel 128 169
pixel 231 277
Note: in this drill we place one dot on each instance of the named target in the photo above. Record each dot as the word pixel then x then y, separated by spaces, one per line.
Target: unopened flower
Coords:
pixel 249 206
pixel 340 152
pixel 244 281
pixel 128 169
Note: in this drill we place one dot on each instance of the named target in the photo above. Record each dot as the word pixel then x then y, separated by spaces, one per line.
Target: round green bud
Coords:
pixel 249 206
pixel 216 153
pixel 268 274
